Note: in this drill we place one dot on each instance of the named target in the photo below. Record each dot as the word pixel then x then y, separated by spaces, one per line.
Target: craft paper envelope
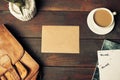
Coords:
pixel 60 39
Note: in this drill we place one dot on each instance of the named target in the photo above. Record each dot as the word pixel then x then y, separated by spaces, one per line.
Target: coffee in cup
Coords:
pixel 103 18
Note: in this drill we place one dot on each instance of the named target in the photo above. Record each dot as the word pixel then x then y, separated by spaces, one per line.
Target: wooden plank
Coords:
pixel 78 5
pixel 67 73
pixel 33 28
pixel 70 5
pixel 87 57
pixel 3 5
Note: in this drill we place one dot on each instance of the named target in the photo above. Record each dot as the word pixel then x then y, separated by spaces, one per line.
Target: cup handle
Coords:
pixel 114 13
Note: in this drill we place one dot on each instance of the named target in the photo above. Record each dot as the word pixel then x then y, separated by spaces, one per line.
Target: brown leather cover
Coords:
pixel 15 62
pixel 9 45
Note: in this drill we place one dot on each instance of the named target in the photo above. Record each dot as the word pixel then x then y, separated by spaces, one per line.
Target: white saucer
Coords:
pixel 99 31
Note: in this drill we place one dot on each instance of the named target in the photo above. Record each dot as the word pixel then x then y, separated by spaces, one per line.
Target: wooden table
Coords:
pixel 62 12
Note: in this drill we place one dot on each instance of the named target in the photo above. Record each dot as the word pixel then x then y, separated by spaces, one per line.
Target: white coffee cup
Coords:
pixel 111 14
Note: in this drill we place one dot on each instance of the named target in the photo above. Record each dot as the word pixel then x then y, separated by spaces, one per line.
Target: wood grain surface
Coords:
pixel 62 12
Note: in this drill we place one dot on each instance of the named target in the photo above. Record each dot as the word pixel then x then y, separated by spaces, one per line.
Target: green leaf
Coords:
pixel 21 10
pixel 19 3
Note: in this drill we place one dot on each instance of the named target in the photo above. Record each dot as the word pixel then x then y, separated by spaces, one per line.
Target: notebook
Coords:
pixel 107 45
pixel 109 64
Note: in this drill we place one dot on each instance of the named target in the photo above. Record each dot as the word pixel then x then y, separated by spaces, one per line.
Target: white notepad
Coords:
pixel 109 64
pixel 60 39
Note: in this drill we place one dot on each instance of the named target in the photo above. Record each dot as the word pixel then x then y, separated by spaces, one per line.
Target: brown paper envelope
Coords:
pixel 60 39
